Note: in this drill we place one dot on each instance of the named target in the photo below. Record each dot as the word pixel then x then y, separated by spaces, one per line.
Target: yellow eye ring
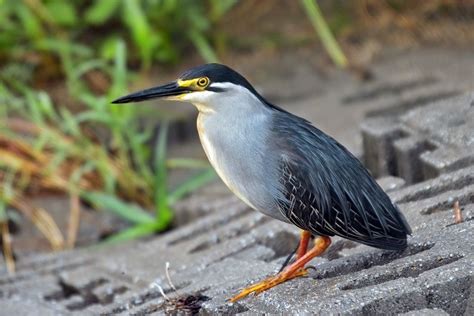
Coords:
pixel 203 82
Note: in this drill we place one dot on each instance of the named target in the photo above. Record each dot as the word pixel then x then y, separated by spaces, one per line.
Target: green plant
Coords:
pixel 45 145
pixel 153 29
pixel 48 147
pixel 329 42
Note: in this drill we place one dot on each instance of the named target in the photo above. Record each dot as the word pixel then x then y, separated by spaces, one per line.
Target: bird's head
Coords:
pixel 208 87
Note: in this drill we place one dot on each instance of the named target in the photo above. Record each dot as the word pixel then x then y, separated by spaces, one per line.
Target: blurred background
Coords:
pixel 77 171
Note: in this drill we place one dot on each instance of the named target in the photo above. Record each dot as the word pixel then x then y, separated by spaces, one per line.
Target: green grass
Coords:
pixel 56 148
pixel 313 11
pixel 46 145
pixel 91 29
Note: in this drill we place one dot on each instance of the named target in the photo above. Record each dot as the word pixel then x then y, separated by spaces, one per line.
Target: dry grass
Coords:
pixel 35 173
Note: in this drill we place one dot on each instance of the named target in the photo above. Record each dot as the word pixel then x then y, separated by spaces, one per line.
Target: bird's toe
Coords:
pixel 269 283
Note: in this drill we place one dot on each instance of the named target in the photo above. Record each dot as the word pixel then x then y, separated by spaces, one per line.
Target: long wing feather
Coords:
pixel 329 192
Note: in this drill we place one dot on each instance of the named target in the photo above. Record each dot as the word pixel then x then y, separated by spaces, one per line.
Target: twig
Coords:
pixel 73 224
pixel 156 285
pixel 167 272
pixel 160 289
pixel 457 213
pixel 7 247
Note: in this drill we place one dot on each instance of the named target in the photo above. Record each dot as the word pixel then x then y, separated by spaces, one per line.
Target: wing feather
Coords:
pixel 329 192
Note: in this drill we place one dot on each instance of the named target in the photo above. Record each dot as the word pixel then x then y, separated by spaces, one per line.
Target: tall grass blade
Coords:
pixel 329 42
pixel 192 184
pixel 187 163
pixel 203 46
pixel 134 232
pixel 163 211
pixel 129 212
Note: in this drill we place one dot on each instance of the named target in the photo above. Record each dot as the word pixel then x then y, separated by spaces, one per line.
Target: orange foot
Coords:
pixel 268 283
pixel 295 270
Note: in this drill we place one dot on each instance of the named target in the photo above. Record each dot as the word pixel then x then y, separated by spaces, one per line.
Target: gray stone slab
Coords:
pixel 435 272
pixel 424 142
pixel 426 312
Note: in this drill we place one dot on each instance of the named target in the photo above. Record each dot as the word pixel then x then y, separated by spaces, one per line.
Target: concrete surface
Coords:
pixel 423 142
pixel 225 246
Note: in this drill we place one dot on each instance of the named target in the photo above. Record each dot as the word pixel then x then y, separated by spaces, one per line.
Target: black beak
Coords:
pixel 167 90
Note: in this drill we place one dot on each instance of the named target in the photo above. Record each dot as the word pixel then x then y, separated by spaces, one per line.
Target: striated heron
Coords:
pixel 281 165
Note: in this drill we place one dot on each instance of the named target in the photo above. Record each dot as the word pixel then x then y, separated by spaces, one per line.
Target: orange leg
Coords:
pixel 304 241
pixel 296 269
pixel 305 237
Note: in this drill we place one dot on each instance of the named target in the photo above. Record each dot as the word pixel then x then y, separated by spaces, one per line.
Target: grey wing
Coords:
pixel 329 192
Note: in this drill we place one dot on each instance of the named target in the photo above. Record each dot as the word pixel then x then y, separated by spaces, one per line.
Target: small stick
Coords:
pixel 160 289
pixel 74 218
pixel 167 271
pixel 7 248
pixel 168 277
pixel 457 213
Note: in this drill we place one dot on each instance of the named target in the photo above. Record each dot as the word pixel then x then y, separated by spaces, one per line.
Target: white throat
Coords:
pixel 233 128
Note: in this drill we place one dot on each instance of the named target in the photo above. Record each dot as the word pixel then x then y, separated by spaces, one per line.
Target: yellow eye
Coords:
pixel 203 82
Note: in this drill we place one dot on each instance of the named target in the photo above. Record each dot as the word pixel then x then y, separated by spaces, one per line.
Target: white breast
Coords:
pixel 238 154
pixel 222 169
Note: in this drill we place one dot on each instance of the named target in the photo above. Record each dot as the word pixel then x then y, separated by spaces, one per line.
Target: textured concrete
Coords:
pixel 422 143
pixel 224 251
pixel 225 246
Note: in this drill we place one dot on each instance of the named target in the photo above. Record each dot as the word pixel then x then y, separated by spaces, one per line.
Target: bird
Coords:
pixel 284 167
